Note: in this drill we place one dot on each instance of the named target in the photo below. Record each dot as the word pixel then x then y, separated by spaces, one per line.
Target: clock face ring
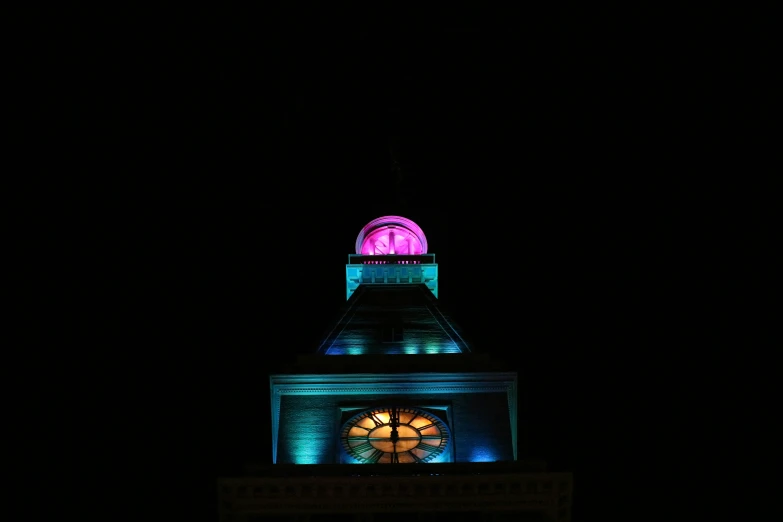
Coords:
pixel 394 435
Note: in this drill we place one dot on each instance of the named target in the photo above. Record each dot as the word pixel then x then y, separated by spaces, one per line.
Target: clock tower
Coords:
pixel 394 414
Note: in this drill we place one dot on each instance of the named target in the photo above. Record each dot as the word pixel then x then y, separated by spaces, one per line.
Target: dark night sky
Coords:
pixel 540 163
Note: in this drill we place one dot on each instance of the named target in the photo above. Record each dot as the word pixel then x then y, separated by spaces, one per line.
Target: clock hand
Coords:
pixel 397 438
pixel 394 422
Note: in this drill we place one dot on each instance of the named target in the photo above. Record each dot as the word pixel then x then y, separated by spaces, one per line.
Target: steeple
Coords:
pixel 397 172
pixel 396 162
pixel 392 291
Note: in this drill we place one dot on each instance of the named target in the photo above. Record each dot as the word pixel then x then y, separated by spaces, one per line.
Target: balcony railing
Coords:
pixel 423 259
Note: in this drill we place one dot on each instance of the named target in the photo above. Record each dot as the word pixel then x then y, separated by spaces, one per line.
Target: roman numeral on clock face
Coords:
pixel 361 448
pixel 376 420
pixel 422 428
pixel 426 447
pixel 375 456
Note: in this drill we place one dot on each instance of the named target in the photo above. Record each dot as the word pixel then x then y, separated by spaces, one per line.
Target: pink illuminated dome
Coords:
pixel 391 235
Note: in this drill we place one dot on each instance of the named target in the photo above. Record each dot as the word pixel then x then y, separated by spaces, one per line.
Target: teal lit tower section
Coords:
pixel 392 370
pixel 391 250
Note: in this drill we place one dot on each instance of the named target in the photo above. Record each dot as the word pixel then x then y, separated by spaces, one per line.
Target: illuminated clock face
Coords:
pixel 394 436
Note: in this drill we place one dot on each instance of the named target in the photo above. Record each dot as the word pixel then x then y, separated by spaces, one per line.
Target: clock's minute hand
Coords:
pixel 394 422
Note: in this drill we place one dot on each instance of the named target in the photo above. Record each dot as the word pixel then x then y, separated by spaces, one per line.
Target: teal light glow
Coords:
pixel 433 348
pixel 309 444
pixel 375 348
pixel 482 454
pixel 312 447
pixel 305 459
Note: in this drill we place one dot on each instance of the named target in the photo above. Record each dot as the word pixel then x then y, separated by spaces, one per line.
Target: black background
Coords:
pixel 556 167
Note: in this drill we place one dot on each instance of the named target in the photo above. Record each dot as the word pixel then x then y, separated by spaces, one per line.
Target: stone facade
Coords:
pixel 504 492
